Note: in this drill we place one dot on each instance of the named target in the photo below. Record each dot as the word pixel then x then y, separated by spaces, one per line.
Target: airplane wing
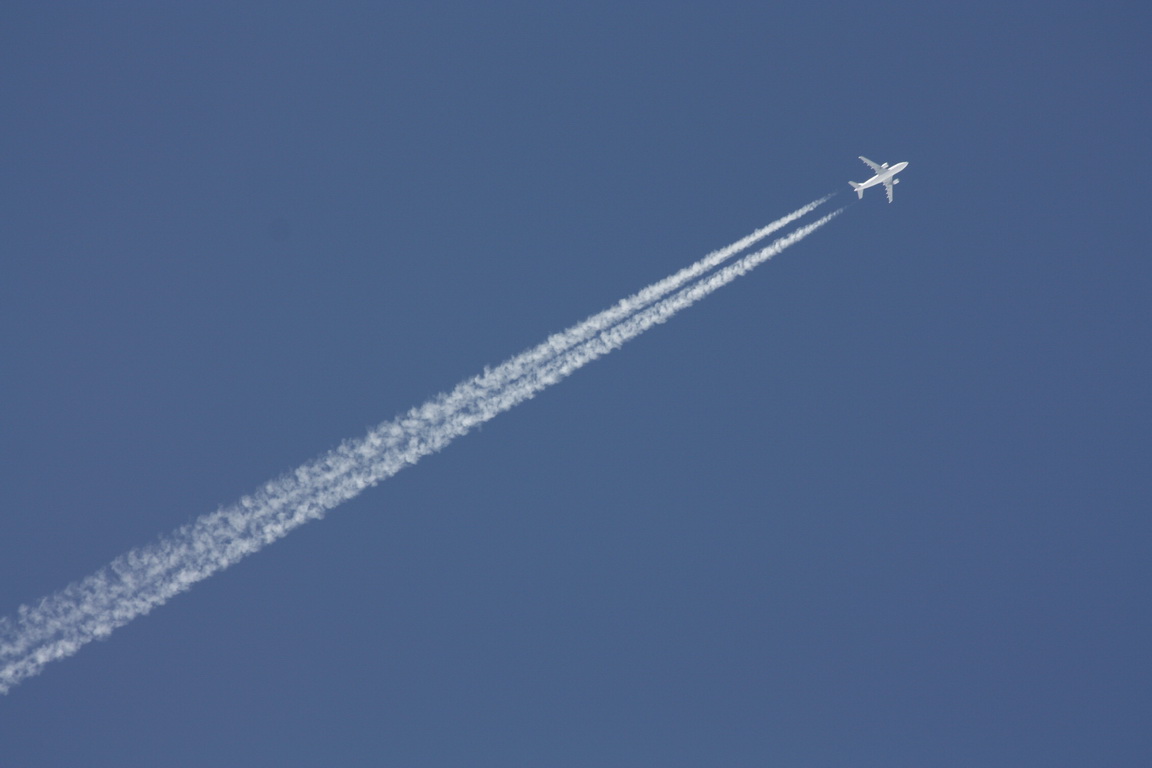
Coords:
pixel 875 168
pixel 888 188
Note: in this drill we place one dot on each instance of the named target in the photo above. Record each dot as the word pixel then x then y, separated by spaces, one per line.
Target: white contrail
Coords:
pixel 144 578
pixel 560 342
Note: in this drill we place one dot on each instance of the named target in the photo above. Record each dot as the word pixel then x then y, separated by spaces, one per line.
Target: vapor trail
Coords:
pixel 560 342
pixel 138 581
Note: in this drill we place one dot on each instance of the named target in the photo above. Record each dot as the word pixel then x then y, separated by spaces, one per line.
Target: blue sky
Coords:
pixel 882 502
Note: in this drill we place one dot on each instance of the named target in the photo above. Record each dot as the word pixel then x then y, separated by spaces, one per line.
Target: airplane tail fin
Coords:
pixel 859 189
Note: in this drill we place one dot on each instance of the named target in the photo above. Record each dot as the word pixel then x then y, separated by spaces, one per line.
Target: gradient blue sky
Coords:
pixel 883 502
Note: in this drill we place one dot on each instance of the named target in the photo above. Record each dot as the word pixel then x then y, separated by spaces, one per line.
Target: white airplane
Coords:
pixel 884 175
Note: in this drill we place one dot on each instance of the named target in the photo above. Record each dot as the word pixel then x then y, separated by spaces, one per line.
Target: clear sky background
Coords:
pixel 883 502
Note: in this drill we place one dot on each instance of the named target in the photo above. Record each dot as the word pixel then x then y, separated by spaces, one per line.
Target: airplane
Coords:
pixel 884 175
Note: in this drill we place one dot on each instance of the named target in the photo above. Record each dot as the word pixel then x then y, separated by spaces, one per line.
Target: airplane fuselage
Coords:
pixel 884 175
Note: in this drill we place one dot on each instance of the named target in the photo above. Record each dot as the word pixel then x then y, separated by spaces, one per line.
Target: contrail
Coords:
pixel 138 581
pixel 578 333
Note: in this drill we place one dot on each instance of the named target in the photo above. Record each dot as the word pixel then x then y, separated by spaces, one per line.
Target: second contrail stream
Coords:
pixel 141 579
